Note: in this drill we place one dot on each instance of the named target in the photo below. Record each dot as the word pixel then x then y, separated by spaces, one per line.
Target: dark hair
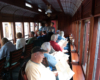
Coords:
pixel 32 32
pixel 19 35
pixel 45 32
pixel 52 23
pixel 4 40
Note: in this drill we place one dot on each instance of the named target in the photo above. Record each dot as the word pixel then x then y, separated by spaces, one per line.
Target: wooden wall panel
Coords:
pixel 86 8
pixel 18 19
pixel 81 42
pixel 79 13
pixel 97 7
pixel 64 24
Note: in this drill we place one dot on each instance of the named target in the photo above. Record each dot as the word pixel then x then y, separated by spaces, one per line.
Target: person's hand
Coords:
pixel 55 73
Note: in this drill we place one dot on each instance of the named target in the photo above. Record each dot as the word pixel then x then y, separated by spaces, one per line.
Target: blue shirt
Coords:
pixel 5 52
pixel 51 59
pixel 45 29
pixel 61 38
pixel 6 49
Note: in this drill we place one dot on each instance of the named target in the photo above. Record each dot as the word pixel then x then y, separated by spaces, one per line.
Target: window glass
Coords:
pixel 36 26
pixel 18 26
pixel 26 29
pixel 79 39
pixel 8 30
pixel 85 45
pixel 32 26
pixel 40 26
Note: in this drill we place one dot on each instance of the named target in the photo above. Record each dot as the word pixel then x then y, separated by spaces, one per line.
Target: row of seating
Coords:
pixel 15 57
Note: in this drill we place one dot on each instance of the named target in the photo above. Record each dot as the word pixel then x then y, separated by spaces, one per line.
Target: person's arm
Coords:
pixel 17 44
pixel 51 60
pixel 2 53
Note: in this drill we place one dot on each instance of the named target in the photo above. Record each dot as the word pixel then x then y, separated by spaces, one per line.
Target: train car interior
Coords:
pixel 49 39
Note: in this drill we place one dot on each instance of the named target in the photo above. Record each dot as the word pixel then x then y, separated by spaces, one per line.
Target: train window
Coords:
pixel 36 26
pixel 79 39
pixel 32 26
pixel 96 71
pixel 8 30
pixel 85 45
pixel 18 26
pixel 40 26
pixel 26 30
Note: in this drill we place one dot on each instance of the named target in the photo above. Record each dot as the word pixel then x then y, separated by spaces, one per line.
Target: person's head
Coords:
pixel 58 31
pixel 4 40
pixel 62 33
pixel 19 35
pixel 52 23
pixel 32 34
pixel 46 24
pixel 38 33
pixel 45 32
pixel 54 37
pixel 41 33
pixel 37 54
pixel 46 46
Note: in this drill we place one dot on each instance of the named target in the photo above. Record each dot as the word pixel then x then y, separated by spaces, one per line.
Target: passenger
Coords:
pixel 5 50
pixel 32 38
pixel 58 33
pixel 45 32
pixel 20 41
pixel 55 45
pixel 51 28
pixel 61 37
pixel 51 59
pixel 38 34
pixel 35 70
pixel 45 28
pixel 57 61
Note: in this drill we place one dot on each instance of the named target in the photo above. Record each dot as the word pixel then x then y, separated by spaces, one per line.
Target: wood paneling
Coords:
pixel 64 24
pixel 97 7
pixel 81 42
pixel 92 47
pixel 86 8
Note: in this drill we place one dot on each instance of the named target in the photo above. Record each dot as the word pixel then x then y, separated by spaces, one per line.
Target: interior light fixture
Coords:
pixel 28 5
pixel 39 10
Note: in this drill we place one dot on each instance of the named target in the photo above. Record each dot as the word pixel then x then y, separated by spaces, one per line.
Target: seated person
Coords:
pixel 45 28
pixel 61 37
pixel 5 50
pixel 45 32
pixel 35 70
pixel 51 28
pixel 55 45
pixel 58 61
pixel 32 38
pixel 51 59
pixel 20 41
pixel 38 35
pixel 58 33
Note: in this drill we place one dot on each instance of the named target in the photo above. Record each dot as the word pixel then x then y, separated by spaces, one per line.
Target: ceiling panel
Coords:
pixel 11 9
pixel 55 4
pixel 38 3
pixel 8 9
pixel 70 6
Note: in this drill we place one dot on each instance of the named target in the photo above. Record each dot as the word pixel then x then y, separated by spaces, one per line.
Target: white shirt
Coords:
pixel 36 71
pixel 20 43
